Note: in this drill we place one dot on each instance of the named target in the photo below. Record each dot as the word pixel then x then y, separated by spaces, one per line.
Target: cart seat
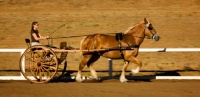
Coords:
pixel 28 42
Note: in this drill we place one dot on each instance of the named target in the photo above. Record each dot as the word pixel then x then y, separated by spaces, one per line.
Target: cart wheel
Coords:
pixel 38 64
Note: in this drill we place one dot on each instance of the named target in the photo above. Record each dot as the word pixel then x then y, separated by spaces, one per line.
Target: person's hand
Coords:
pixel 47 37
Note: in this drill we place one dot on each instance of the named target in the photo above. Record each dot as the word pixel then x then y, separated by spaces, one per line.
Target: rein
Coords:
pixel 79 35
pixel 86 35
pixel 89 34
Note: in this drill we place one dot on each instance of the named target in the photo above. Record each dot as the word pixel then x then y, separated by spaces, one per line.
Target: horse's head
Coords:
pixel 150 31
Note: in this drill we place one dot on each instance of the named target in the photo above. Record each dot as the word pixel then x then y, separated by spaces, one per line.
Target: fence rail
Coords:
pixel 21 51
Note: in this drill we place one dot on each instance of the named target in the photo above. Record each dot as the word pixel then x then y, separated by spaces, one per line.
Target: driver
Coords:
pixel 35 35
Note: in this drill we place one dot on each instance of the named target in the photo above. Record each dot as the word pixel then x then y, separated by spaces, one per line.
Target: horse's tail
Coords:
pixel 81 43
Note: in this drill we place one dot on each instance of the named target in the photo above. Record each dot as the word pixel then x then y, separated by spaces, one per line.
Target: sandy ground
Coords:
pixel 109 88
pixel 178 23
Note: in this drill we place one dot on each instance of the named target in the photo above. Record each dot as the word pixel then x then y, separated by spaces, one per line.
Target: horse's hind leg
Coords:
pixel 89 60
pixel 81 66
pixel 94 58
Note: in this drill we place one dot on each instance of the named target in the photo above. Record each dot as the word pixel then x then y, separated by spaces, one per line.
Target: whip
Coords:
pixel 69 22
pixel 61 27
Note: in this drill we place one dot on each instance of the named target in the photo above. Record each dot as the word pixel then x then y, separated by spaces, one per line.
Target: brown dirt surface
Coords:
pixel 178 23
pixel 111 88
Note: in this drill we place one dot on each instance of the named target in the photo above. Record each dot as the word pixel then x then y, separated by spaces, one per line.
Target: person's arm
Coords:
pixel 38 38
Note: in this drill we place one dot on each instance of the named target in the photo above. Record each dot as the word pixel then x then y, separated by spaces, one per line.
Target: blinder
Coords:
pixel 154 36
pixel 150 27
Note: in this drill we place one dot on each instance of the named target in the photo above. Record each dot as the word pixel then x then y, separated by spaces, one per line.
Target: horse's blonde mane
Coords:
pixel 132 27
pixel 129 29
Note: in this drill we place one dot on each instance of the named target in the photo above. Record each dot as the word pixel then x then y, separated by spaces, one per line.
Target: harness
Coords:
pixel 119 37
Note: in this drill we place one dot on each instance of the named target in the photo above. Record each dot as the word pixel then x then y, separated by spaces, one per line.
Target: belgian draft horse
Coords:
pixel 132 38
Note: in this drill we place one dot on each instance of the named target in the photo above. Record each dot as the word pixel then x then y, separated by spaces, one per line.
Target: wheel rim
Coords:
pixel 41 64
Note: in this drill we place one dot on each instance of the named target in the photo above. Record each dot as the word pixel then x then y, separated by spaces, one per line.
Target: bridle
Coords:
pixel 150 28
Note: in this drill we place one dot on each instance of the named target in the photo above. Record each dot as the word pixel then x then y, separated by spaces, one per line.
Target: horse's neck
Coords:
pixel 136 33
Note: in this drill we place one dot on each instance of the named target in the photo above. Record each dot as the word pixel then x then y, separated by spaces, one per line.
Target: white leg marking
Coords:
pixel 94 74
pixel 122 77
pixel 78 77
pixel 135 71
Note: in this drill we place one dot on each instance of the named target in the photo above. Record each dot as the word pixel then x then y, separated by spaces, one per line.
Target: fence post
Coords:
pixel 110 67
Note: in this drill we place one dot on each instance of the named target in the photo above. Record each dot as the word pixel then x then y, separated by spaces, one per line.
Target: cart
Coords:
pixel 39 64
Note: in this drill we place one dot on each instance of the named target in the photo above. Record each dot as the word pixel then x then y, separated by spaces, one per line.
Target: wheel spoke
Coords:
pixel 40 74
pixel 47 71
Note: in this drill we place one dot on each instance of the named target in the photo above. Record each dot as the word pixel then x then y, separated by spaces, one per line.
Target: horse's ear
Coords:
pixel 145 21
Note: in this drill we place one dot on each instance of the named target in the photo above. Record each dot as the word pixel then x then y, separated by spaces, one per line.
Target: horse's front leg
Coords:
pixel 139 65
pixel 122 77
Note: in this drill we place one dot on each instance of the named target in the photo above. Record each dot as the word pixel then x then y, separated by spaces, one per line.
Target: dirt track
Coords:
pixel 109 88
pixel 178 23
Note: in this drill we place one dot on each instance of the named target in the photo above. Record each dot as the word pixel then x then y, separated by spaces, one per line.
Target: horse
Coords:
pixel 126 48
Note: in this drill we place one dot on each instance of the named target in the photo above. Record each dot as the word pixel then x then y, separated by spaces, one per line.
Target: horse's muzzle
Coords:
pixel 156 37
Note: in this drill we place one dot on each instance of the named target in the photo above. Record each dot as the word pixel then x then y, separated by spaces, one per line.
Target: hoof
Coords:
pixel 134 71
pixel 91 78
pixel 123 80
pixel 81 79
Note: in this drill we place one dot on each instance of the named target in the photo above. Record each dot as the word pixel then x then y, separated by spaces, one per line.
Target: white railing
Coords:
pixel 21 77
pixel 21 51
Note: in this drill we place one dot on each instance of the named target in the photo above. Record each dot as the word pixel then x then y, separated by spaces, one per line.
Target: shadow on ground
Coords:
pixel 66 77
